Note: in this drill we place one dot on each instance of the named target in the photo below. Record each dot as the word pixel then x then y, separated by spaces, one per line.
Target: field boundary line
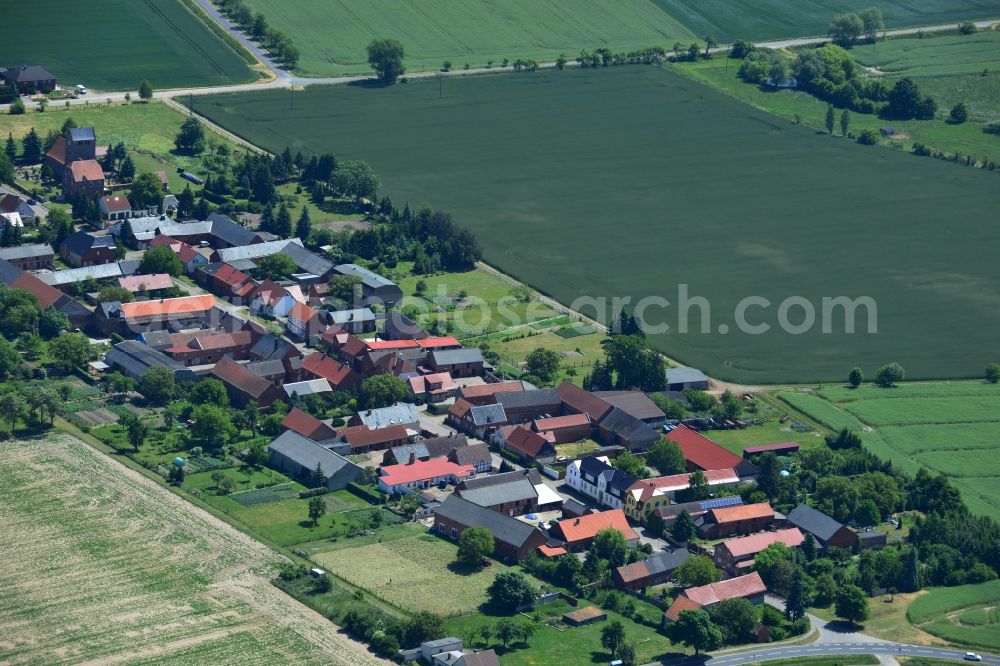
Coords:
pixel 218 129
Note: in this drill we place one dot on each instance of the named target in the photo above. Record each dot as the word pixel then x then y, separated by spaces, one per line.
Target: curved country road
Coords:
pixel 835 650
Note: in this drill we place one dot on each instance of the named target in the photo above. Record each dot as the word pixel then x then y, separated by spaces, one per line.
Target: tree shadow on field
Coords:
pixel 373 82
pixel 460 569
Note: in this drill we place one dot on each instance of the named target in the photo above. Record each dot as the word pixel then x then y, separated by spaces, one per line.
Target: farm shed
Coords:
pixel 299 457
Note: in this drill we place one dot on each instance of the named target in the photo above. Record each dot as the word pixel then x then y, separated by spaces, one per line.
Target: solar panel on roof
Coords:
pixel 721 502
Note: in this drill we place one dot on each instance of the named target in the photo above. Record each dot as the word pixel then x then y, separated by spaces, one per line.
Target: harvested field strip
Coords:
pixel 102 564
pixel 821 410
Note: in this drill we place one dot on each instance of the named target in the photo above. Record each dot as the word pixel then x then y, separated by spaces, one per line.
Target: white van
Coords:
pixel 81 89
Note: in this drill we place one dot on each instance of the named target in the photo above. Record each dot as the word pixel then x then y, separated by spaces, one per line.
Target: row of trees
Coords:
pixel 846 29
pixel 255 24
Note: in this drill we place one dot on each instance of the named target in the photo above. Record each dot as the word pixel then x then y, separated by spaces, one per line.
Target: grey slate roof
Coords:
pixel 685 375
pixel 258 251
pixel 81 241
pixel 628 427
pixel 29 73
pixel 69 276
pixel 635 403
pixel 593 466
pixel 514 490
pixel 340 317
pixel 538 398
pixel 226 229
pixel 368 278
pixel 270 347
pixel 82 134
pixel 484 415
pixel 433 447
pixel 401 413
pixel 817 523
pixel 8 271
pixel 267 368
pixel 457 356
pixel 26 251
pixel 308 453
pixel 135 358
pixel 504 528
pixel 308 261
pixel 474 454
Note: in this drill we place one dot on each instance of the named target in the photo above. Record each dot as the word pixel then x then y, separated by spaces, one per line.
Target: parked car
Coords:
pixel 972 656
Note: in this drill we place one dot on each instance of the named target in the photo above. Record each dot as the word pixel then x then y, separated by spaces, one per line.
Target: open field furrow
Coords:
pixel 86 585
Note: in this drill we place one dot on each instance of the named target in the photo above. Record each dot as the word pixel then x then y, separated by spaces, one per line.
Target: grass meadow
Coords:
pixel 664 182
pixel 115 44
pixel 102 565
pixel 966 614
pixel 776 19
pixel 333 34
pixel 949 427
pixel 950 68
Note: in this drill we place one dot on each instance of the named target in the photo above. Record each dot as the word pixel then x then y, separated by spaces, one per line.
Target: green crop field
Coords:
pixel 333 34
pixel 101 565
pixel 114 44
pixel 664 182
pixel 949 427
pixel 952 69
pixel 966 614
pixel 775 19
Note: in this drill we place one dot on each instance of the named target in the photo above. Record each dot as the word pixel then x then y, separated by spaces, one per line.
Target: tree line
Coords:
pixel 255 25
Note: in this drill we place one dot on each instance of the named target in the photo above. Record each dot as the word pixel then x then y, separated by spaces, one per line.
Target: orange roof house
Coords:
pixel 307 425
pixel 736 555
pixel 749 587
pixel 421 474
pixel 579 532
pixel 740 519
pixel 150 282
pixel 702 453
pixel 339 375
pixel 525 442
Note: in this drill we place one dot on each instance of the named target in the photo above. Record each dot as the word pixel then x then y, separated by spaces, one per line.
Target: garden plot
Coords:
pixel 102 565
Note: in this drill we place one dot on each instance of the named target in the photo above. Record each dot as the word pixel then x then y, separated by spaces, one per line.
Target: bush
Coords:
pixel 868 137
pixel 921 150
pixel 368 494
pixel 959 114
pixel 992 128
pixel 313 492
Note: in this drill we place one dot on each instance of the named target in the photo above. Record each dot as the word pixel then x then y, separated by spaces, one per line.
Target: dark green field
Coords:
pixel 629 182
pixel 776 19
pixel 114 44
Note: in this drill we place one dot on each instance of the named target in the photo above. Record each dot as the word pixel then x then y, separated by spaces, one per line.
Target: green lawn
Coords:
pixel 775 19
pixel 966 614
pixel 651 177
pixel 769 432
pixel 157 40
pixel 333 34
pixel 950 427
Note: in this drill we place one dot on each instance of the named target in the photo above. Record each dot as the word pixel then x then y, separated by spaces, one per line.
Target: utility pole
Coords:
pixel 440 85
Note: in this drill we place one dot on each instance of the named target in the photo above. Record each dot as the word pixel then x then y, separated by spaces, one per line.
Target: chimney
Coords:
pixel 576 522
pixel 413 458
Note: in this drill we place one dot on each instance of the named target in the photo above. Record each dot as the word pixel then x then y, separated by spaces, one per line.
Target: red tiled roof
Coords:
pixel 753 544
pixel 86 170
pixel 556 422
pixel 681 603
pixel 354 346
pixel 732 514
pixel 46 294
pixel 230 276
pixel 421 383
pixel 167 306
pixel 586 527
pixel 460 408
pixel 702 452
pixel 146 282
pixel 381 345
pixel 394 475
pixel 675 482
pixel 234 374
pixel 744 586
pixel 116 204
pixel 362 436
pixel 582 401
pixel 437 343
pixel 551 551
pixel 162 239
pixel 58 151
pixel 185 342
pixel 327 368
pixel 528 442
pixel 301 312
pixel 307 425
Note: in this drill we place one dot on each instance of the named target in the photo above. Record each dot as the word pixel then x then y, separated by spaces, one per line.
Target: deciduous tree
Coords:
pixel 697 570
pixel 475 544
pixel 386 57
pixel 696 629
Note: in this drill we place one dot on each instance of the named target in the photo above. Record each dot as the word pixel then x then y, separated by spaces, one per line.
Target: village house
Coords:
pixel 272 371
pixel 398 326
pixel 340 377
pixel 526 444
pixel 458 362
pixel 190 258
pixel 300 457
pixel 526 406
pixel 437 387
pixel 402 413
pixel 512 493
pixel 485 394
pixel 146 283
pixel 181 313
pixel 595 477
pixel 362 439
pixel 654 570
pixel 730 520
pixel 375 289
pixel 513 539
pixel 704 454
pixel 48 296
pixel 132 358
pixel 578 533
pixel 827 531
pixel 307 425
pixel 668 513
pixel 477 455
pixel 482 421
pixel 225 282
pixel 298 318
pixel 421 474
pixel 704 597
pixel 425 449
pixel 29 257
pixel 83 249
pixel 12 203
pixel 355 320
pixel 562 429
pixel 206 347
pixel 647 495
pixel 270 299
pixel 30 79
pixel 736 556
pixel 114 208
pixel 243 386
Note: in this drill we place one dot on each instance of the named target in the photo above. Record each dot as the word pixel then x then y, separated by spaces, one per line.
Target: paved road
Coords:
pixel 284 79
pixel 837 650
